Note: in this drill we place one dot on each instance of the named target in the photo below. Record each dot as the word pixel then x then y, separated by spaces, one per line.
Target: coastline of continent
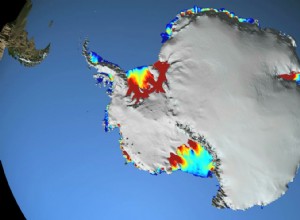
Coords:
pixel 236 101
pixel 225 90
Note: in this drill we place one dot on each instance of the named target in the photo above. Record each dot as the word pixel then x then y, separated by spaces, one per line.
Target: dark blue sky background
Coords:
pixel 59 162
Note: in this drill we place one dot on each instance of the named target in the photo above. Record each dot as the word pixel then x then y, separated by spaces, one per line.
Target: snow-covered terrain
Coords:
pixel 223 91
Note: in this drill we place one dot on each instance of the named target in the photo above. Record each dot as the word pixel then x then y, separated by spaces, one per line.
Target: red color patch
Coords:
pixel 192 144
pixel 140 93
pixel 126 155
pixel 288 76
pixel 175 160
pixel 162 68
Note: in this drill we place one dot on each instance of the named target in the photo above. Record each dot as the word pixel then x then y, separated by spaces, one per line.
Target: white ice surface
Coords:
pixel 222 84
pixel 225 88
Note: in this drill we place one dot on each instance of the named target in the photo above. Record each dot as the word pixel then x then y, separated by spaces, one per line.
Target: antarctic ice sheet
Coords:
pixel 223 90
